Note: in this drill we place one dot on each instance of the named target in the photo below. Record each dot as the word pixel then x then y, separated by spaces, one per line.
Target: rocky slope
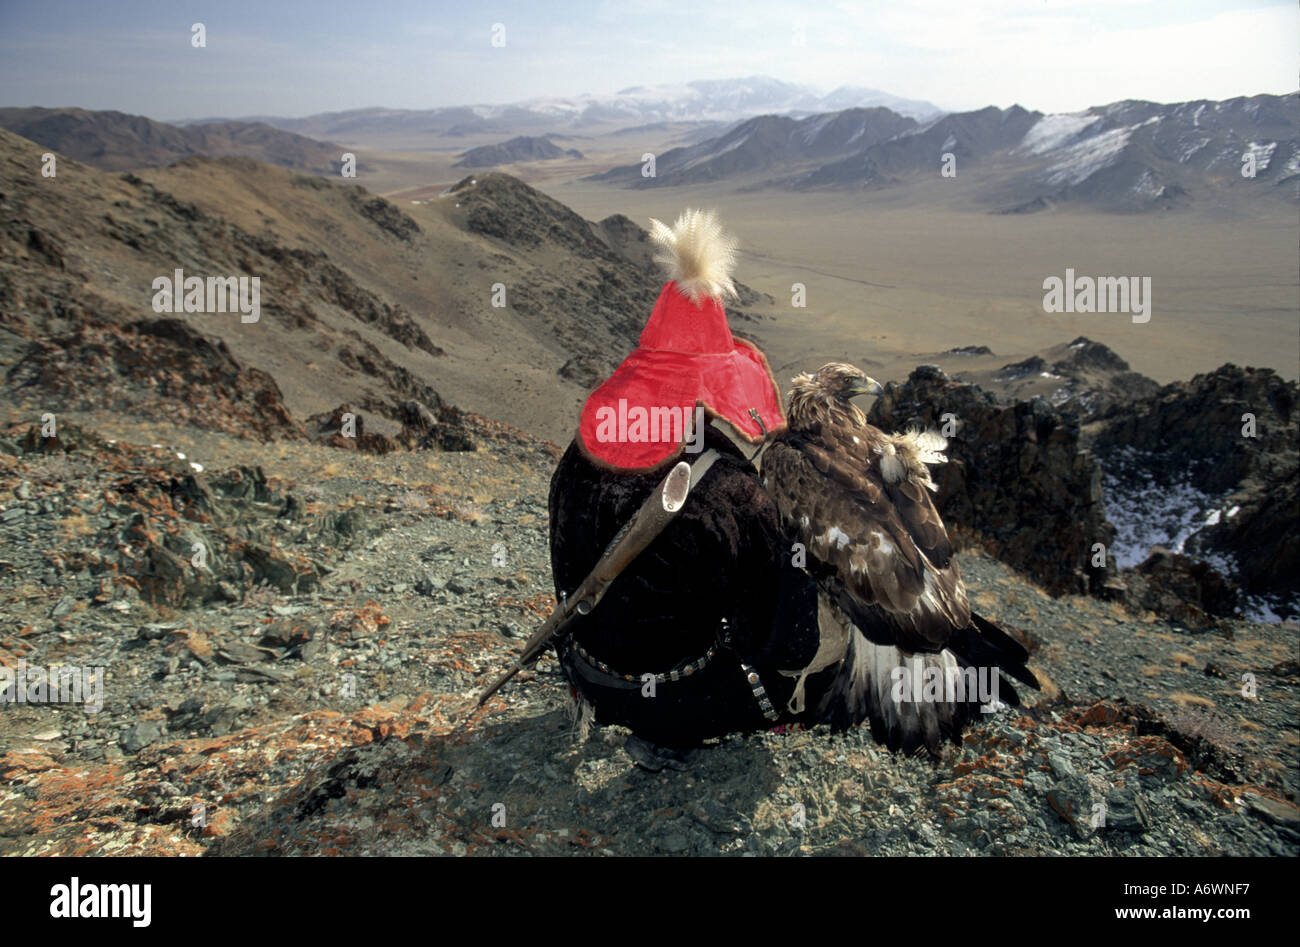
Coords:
pixel 360 301
pixel 313 695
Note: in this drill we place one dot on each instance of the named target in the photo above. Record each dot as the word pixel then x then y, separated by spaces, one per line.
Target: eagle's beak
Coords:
pixel 867 386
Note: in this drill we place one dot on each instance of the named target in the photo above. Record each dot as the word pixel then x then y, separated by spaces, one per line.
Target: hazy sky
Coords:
pixel 292 57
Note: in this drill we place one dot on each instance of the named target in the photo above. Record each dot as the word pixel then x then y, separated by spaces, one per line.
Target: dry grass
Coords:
pixel 1183 699
pixel 1196 725
pixel 72 527
pixel 412 501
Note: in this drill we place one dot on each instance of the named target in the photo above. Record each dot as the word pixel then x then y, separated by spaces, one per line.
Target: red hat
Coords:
pixel 687 358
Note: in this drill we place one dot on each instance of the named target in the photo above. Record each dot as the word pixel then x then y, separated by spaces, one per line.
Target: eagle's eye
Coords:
pixel 857 383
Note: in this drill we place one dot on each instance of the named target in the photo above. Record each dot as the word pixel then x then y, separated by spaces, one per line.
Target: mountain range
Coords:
pixel 711 100
pixel 1124 156
pixel 115 141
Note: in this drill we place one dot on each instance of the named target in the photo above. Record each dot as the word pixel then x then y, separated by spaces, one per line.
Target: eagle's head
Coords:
pixel 825 395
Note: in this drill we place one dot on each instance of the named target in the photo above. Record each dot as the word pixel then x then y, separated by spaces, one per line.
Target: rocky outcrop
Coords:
pixel 345 428
pixel 1227 426
pixel 1018 477
pixel 1082 376
pixel 1186 591
pixel 442 427
pixel 1261 539
pixel 383 214
pixel 152 367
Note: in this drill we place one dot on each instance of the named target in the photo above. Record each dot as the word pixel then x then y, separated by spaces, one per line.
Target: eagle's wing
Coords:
pixel 861 508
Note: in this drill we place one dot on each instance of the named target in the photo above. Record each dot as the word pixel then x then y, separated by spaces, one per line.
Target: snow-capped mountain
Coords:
pixel 705 100
pixel 1125 156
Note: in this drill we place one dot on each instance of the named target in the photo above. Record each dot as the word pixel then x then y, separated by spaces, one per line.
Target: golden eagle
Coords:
pixel 857 502
pixel 717 626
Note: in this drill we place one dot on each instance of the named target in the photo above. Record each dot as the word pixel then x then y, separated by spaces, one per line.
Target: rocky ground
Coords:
pixel 308 688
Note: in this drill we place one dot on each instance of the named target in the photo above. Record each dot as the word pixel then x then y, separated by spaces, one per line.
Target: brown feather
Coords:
pixel 859 500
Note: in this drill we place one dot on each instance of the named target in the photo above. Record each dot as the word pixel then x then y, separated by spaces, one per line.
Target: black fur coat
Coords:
pixel 723 556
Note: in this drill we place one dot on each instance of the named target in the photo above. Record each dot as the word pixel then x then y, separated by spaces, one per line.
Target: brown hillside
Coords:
pixel 115 141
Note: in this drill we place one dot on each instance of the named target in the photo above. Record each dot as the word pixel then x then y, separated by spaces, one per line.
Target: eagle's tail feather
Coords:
pixel 881 684
pixel 917 701
pixel 984 643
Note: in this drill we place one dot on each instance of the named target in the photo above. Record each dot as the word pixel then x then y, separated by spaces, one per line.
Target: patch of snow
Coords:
pixel 1263 152
pixel 918 130
pixel 1148 513
pixel 1081 161
pixel 949 143
pixel 1052 131
pixel 1258 610
pixel 732 146
pixel 817 126
pixel 1148 185
pixel 1292 167
pixel 1188 152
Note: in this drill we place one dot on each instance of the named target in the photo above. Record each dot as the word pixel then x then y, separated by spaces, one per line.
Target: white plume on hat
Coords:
pixel 697 253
